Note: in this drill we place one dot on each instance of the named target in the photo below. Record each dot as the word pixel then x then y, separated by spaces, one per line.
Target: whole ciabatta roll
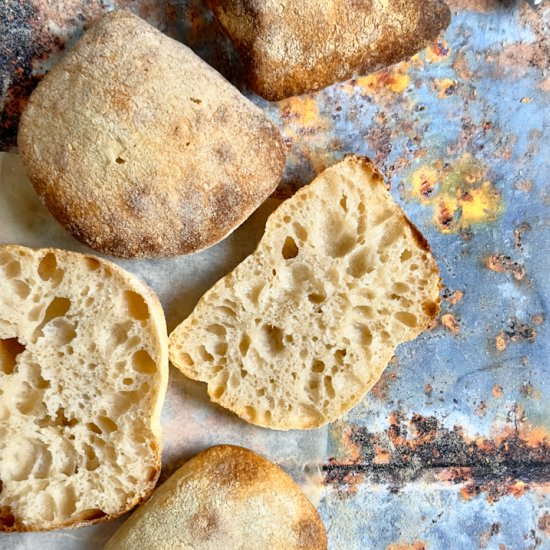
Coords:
pixel 140 149
pixel 301 329
pixel 83 374
pixel 225 498
pixel 291 47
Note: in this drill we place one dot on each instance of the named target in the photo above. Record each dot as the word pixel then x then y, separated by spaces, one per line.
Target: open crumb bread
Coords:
pixel 83 373
pixel 302 328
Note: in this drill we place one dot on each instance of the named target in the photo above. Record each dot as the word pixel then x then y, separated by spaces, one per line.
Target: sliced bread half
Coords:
pixel 83 373
pixel 225 497
pixel 302 328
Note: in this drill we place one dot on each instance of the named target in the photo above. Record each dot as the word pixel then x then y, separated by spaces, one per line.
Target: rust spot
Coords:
pixel 428 390
pixel 416 545
pixel 381 388
pixel 487 535
pixel 538 319
pixel 501 341
pixel 519 231
pixel 544 523
pixel 481 409
pixel 454 297
pixel 504 264
pixel 504 464
pixel 449 322
pixel 516 332
pixel 497 392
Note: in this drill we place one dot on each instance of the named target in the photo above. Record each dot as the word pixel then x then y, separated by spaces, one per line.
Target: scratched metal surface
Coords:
pixel 451 448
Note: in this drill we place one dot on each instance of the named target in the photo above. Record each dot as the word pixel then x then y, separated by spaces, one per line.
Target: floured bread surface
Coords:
pixel 224 498
pixel 292 47
pixel 141 149
pixel 83 373
pixel 299 331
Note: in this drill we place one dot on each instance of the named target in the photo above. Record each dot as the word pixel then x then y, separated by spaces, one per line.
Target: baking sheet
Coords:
pixel 190 422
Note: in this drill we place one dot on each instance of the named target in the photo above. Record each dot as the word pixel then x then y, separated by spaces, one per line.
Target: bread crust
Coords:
pixel 140 149
pixel 224 484
pixel 160 343
pixel 293 47
pixel 190 337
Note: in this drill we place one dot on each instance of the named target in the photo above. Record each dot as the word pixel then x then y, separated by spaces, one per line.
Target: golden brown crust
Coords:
pixel 8 522
pixel 225 497
pixel 292 47
pixel 140 149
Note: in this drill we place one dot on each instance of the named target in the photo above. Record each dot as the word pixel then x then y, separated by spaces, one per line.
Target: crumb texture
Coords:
pixel 141 149
pixel 291 47
pixel 225 497
pixel 299 331
pixel 83 368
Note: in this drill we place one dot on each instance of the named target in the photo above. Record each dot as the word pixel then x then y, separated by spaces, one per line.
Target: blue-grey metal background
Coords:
pixel 451 448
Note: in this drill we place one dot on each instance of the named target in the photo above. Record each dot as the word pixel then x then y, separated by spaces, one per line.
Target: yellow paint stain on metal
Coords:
pixel 396 82
pixel 303 109
pixel 445 87
pixel 437 51
pixel 459 193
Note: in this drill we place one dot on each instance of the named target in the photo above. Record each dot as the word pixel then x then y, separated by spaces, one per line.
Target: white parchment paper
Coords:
pixel 190 421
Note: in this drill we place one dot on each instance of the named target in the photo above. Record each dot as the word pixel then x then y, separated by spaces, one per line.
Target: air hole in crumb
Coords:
pixel 317 366
pixel 360 264
pixel 92 263
pixel 205 356
pixel 400 288
pixel 120 160
pixel 13 269
pixel 143 362
pixel 408 319
pixel 260 392
pixel 127 381
pixel 93 428
pixel 286 219
pixel 136 306
pixel 10 348
pixel 21 289
pixel 107 425
pixel 272 339
pixel 217 330
pixel 244 344
pixel 316 298
pixel 220 349
pixel 218 392
pixel 364 335
pixel 344 203
pixel 405 255
pixel 339 355
pixel 429 308
pixel 365 311
pixel 195 100
pixel 329 388
pixel 47 269
pixel 58 308
pixel 290 249
pixel 300 231
pixel 186 359
pixel 250 413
